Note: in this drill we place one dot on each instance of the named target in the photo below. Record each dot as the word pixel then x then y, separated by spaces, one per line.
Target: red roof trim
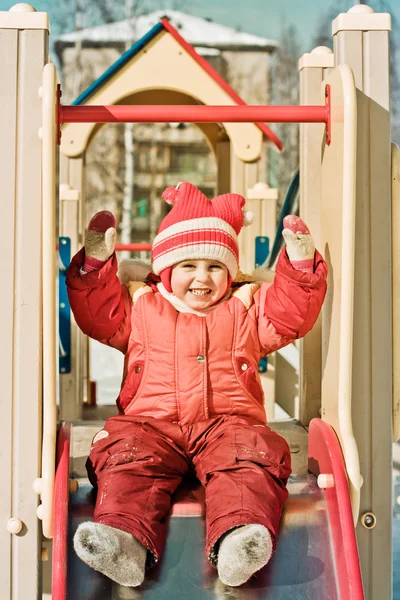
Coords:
pixel 221 82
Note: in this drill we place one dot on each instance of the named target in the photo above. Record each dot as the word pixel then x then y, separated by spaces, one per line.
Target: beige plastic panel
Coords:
pixel 165 65
pixel 396 288
pixel 70 404
pixel 24 18
pixel 73 386
pixel 338 180
pixel 247 234
pixel 367 52
pixel 49 275
pixel 268 382
pixel 243 176
pixel 286 386
pixel 320 57
pixel 314 67
pixel 262 201
pixel 361 18
pixel 8 119
pixel 23 56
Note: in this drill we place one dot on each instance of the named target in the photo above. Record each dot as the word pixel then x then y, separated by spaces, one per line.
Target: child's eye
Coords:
pixel 215 267
pixel 188 266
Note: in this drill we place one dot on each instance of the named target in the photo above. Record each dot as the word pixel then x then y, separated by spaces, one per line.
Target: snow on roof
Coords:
pixel 196 30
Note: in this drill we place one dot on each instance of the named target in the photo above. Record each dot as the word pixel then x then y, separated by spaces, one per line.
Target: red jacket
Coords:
pixel 185 368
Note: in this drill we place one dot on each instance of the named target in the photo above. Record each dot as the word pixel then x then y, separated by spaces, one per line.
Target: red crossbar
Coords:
pixel 194 114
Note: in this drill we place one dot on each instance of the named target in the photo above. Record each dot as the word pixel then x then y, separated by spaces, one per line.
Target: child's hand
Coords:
pixel 100 236
pixel 299 243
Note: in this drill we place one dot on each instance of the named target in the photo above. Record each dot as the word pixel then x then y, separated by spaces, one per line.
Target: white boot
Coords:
pixel 242 552
pixel 113 552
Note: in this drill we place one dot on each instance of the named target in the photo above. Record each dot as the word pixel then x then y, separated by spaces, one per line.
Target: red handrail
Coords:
pixel 194 114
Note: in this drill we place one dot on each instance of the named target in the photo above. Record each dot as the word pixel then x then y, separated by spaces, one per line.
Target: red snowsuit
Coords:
pixel 191 397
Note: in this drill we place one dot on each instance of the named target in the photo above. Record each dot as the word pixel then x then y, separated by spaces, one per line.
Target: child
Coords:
pixel 191 394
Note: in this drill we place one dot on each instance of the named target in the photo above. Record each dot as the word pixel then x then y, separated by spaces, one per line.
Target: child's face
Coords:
pixel 199 283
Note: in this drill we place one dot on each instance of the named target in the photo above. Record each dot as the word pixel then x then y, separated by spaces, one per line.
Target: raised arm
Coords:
pixel 100 304
pixel 290 306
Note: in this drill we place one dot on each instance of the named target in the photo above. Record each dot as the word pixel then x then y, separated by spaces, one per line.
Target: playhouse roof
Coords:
pixel 165 24
pixel 196 30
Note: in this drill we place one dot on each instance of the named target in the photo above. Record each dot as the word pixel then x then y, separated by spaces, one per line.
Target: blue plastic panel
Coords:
pixel 64 309
pixel 263 365
pixel 262 250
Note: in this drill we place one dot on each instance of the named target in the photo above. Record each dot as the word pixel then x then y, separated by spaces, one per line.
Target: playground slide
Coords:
pixel 316 557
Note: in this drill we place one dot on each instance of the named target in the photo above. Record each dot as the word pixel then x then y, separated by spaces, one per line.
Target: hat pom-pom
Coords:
pixel 248 217
pixel 170 195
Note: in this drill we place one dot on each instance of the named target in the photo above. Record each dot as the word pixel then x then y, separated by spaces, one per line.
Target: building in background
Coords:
pixel 163 154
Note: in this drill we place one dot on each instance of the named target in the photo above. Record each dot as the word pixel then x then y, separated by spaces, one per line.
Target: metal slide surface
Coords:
pixel 302 567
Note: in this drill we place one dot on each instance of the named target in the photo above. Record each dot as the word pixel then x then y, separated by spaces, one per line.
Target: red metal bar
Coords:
pixel 194 114
pixel 58 108
pixel 132 247
pixel 61 492
pixel 328 132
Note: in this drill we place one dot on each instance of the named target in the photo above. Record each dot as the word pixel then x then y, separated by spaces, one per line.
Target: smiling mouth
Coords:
pixel 200 292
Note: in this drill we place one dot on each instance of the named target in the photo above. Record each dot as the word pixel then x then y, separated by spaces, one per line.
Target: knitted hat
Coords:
pixel 198 228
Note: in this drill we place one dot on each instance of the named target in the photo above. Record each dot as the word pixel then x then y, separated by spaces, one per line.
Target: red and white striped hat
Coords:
pixel 198 228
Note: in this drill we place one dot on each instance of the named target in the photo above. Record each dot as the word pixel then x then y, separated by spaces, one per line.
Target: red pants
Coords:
pixel 244 467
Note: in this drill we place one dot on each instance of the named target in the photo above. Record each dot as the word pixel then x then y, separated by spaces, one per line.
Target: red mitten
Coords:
pixel 99 240
pixel 300 247
pixel 102 221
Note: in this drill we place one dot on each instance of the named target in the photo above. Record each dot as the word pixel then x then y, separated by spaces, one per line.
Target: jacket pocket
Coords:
pixel 131 385
pixel 248 378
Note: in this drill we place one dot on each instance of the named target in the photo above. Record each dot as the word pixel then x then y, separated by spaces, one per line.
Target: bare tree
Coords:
pixel 284 88
pixel 110 165
pixel 323 32
pixel 131 7
pixel 385 6
pixel 323 38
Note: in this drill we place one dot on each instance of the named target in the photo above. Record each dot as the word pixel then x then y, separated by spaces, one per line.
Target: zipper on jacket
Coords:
pixel 205 366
